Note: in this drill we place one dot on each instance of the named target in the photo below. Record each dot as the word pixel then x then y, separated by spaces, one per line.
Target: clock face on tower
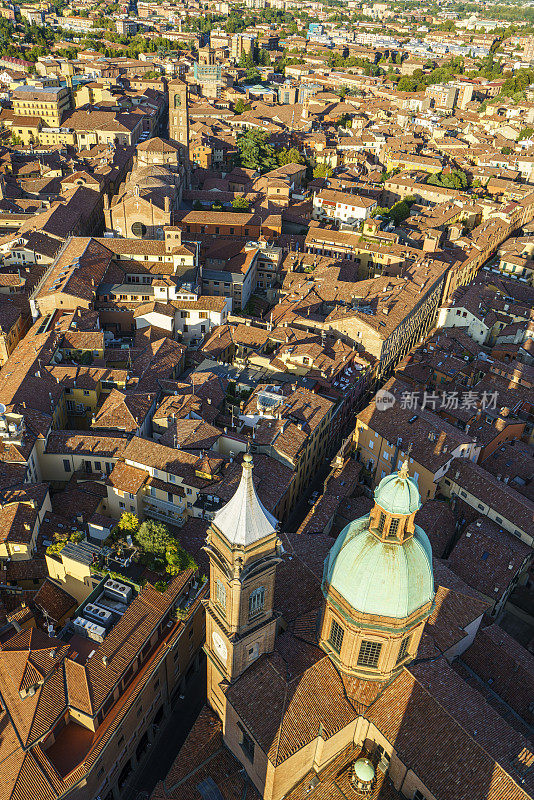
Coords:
pixel 219 646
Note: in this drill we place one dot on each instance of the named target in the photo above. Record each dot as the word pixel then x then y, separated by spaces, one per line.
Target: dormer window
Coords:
pixel 29 691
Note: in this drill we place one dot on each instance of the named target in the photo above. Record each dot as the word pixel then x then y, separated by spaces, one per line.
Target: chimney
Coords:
pixel 167 206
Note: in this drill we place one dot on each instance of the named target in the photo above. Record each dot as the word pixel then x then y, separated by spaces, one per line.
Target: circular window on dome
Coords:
pixel 138 229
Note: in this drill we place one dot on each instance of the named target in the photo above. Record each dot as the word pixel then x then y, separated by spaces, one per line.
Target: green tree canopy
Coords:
pixel 454 179
pixel 179 559
pixel 397 213
pixel 419 80
pixel 241 204
pixel 154 537
pixel 291 156
pixel 322 171
pixel 241 106
pixel 255 152
pixel 128 523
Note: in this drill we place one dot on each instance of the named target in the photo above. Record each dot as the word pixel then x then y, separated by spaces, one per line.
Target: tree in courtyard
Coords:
pixel 154 537
pixel 291 156
pixel 128 523
pixel 178 559
pixel 241 106
pixel 255 151
pixel 322 171
pixel 453 179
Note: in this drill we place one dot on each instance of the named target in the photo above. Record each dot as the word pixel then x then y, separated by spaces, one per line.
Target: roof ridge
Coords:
pixel 282 714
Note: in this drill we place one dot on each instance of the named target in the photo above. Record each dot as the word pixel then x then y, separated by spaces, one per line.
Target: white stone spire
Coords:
pixel 244 520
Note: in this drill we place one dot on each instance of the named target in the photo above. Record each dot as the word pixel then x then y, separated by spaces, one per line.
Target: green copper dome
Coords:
pixel 380 578
pixel 398 493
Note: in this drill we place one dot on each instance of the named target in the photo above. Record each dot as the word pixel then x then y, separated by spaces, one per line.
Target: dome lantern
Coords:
pixel 397 501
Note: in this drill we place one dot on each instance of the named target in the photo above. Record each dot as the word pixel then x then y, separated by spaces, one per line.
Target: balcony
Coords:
pixel 197 589
pixel 172 513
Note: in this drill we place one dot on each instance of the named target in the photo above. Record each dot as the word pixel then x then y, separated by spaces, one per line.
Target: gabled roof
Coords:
pixel 124 410
pixel 32 659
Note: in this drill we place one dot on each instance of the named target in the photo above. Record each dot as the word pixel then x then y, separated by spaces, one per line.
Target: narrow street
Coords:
pixel 171 737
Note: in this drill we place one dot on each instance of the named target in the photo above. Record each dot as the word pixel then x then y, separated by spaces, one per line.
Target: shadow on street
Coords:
pixel 172 736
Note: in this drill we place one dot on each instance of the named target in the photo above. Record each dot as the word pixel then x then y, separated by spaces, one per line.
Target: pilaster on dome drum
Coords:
pixel 244 520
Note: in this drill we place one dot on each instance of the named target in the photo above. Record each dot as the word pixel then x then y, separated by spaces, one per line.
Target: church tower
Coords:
pixel 244 549
pixel 179 120
pixel 378 585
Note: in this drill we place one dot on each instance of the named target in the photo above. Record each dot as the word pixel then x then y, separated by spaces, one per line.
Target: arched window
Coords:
pixel 220 594
pixel 256 601
pixel 177 100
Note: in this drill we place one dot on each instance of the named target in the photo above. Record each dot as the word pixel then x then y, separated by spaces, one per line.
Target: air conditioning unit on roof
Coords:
pixel 118 590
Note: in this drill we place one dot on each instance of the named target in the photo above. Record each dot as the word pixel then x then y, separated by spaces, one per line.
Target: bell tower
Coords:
pixel 244 549
pixel 179 120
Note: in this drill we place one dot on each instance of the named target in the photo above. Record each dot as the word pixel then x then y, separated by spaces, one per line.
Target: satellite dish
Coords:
pixel 2 408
